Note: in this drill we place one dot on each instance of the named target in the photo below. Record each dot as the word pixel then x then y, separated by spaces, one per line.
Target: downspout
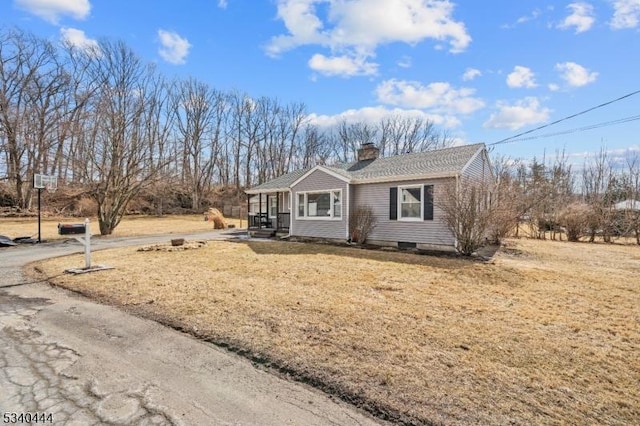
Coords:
pixel 248 210
pixel 455 238
pixel 277 210
pixel 260 210
pixel 291 207
pixel 347 209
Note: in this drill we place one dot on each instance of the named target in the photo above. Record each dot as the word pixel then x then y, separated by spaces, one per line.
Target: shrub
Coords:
pixel 575 220
pixel 361 223
pixel 215 216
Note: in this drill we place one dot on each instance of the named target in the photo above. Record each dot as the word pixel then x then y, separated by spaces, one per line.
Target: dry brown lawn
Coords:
pixel 549 333
pixel 130 225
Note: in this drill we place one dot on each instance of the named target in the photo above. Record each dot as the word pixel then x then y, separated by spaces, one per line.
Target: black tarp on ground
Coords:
pixel 6 241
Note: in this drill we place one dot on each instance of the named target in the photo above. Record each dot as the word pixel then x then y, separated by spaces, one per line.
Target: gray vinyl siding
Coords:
pixel 432 232
pixel 333 229
pixel 478 169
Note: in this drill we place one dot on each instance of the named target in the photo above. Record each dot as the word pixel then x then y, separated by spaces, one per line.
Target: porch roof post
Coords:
pixel 277 210
pixel 248 210
pixel 260 210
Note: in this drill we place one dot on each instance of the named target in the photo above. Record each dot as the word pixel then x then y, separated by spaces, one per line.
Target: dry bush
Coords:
pixel 86 207
pixel 466 213
pixel 574 218
pixel 7 197
pixel 215 216
pixel 361 223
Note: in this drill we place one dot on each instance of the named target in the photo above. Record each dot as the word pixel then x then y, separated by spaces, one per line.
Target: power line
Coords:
pixel 578 129
pixel 628 95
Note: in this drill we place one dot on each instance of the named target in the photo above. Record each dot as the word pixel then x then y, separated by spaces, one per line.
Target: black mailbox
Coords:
pixel 71 228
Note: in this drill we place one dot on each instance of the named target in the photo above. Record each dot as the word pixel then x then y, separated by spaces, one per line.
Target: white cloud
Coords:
pixel 342 65
pixel 521 77
pixel 437 97
pixel 626 14
pixel 471 74
pixel 581 17
pixel 222 4
pixel 553 87
pixel 523 19
pixel 524 112
pixel 77 38
pixel 53 10
pixel 576 75
pixel 405 62
pixel 357 27
pixel 173 48
pixel 373 115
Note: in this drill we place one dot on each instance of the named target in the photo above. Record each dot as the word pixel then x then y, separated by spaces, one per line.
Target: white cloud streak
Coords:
pixel 53 10
pixel 436 97
pixel 173 48
pixel 524 112
pixel 78 39
pixel 356 28
pixel 373 115
pixel 576 75
pixel 471 74
pixel 521 77
pixel 344 66
pixel 626 14
pixel 581 18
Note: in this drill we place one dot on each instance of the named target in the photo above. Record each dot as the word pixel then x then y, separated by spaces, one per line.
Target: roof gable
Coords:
pixel 329 170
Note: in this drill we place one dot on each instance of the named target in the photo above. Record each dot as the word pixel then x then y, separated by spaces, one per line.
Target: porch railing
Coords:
pixel 264 221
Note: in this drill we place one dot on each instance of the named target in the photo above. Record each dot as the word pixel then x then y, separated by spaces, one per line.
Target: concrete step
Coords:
pixel 264 233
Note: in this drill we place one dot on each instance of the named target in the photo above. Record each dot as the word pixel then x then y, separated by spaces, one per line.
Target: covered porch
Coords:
pixel 269 211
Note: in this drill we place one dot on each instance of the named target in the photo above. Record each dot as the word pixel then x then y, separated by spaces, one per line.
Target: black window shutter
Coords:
pixel 393 203
pixel 428 202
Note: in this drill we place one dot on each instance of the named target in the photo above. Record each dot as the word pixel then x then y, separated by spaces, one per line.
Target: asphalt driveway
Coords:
pixel 73 361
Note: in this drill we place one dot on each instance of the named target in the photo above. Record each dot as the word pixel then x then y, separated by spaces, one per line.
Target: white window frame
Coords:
pixel 331 205
pixel 410 219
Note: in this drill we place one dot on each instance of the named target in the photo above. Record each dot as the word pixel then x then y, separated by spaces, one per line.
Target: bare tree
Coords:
pixel 596 181
pixel 347 138
pixel 403 135
pixel 31 80
pixel 507 200
pixel 466 212
pixel 197 111
pixel 117 145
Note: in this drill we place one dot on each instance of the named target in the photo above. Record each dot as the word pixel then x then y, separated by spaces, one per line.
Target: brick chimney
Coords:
pixel 368 151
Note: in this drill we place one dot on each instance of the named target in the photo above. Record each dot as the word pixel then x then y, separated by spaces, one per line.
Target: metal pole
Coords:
pixel 87 244
pixel 39 217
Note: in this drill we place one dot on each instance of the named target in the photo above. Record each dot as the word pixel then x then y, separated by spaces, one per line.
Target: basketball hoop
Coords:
pixel 40 182
pixel 48 182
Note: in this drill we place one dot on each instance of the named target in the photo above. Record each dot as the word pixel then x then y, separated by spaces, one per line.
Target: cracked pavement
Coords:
pixel 85 363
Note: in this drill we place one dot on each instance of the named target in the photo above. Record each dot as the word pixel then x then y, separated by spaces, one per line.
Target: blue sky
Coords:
pixel 484 71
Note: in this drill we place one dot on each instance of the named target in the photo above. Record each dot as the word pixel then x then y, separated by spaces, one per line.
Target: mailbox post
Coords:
pixel 77 229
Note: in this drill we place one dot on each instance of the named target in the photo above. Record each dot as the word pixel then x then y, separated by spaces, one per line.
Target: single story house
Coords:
pixel 628 204
pixel 400 190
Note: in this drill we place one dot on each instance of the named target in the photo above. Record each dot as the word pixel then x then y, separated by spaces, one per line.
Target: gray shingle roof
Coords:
pixel 444 162
pixel 280 182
